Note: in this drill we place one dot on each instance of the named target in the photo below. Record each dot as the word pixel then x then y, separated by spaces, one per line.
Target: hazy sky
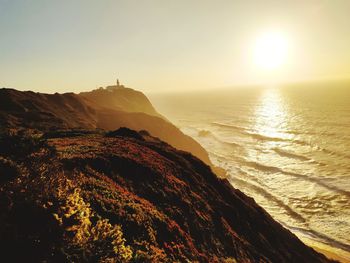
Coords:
pixel 166 45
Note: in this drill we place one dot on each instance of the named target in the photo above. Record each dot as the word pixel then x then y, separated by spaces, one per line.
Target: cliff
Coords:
pixel 126 196
pixel 120 98
pixel 108 109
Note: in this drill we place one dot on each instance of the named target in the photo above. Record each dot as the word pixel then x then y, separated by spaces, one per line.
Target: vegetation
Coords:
pixel 100 241
pixel 118 198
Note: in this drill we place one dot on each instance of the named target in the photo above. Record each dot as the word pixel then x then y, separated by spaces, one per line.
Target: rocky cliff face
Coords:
pixel 126 196
pixel 107 109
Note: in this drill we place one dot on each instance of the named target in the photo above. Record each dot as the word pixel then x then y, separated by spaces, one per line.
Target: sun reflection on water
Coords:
pixel 271 115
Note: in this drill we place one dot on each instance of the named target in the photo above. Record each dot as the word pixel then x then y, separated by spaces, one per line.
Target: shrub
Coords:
pixel 125 132
pixel 20 144
pixel 101 240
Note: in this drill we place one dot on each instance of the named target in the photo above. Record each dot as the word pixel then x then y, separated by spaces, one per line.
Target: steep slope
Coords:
pixel 157 126
pixel 44 111
pixel 128 197
pixel 109 108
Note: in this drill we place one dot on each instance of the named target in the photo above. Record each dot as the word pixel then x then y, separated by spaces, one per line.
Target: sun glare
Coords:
pixel 270 50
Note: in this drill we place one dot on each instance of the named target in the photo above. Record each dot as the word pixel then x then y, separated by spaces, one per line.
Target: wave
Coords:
pixel 319 236
pixel 209 134
pixel 284 153
pixel 228 143
pixel 228 126
pixel 273 169
pixel 333 153
pixel 317 133
pixel 262 167
pixel 272 198
pixel 257 136
pixel 221 156
pixel 244 131
pixel 205 133
pixel 261 137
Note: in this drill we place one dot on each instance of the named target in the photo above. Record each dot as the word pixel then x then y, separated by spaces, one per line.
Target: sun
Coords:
pixel 270 51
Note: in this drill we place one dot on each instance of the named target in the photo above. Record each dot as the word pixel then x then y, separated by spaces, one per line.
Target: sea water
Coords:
pixel 287 147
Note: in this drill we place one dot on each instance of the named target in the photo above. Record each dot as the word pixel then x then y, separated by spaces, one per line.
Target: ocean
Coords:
pixel 288 147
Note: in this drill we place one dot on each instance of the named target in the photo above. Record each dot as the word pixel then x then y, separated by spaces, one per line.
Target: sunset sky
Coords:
pixel 162 45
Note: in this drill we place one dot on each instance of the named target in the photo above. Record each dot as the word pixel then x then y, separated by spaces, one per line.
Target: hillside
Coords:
pixel 108 109
pixel 120 98
pixel 127 197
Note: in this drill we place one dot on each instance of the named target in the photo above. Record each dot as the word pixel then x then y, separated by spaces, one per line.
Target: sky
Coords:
pixel 163 45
